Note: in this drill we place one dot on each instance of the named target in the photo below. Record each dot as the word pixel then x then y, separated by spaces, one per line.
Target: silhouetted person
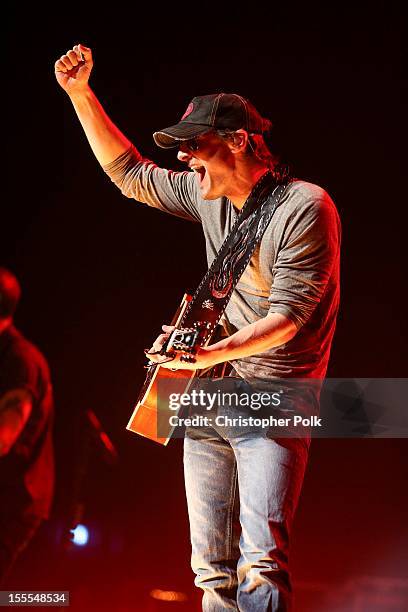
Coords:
pixel 26 415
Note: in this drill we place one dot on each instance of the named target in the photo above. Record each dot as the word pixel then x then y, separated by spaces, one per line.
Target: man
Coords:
pixel 280 322
pixel 26 412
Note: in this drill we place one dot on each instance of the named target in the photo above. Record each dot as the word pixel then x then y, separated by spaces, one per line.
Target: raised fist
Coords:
pixel 73 69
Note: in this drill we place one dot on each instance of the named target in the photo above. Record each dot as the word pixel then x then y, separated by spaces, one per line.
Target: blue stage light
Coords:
pixel 80 535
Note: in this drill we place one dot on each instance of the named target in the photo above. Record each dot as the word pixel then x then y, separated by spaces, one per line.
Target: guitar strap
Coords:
pixel 215 290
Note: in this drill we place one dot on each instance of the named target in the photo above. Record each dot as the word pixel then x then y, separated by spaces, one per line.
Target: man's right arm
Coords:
pixel 136 177
pixel 72 72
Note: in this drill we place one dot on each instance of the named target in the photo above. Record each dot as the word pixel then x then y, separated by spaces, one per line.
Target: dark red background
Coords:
pixel 101 273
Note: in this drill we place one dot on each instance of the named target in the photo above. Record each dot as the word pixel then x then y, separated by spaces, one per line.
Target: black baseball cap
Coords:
pixel 220 111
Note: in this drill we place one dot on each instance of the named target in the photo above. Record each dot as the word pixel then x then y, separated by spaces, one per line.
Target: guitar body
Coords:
pixel 150 417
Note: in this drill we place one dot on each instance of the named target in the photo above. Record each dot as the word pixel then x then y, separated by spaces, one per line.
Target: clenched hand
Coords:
pixel 73 69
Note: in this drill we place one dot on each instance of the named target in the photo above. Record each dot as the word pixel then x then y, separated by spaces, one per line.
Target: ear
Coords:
pixel 238 141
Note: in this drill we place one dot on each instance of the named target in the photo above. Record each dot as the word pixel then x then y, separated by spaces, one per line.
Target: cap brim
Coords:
pixel 170 137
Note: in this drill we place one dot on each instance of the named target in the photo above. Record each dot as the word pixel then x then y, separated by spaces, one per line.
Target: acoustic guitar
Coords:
pixel 151 415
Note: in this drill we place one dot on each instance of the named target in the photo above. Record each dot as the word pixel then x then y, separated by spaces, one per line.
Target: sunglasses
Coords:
pixel 192 145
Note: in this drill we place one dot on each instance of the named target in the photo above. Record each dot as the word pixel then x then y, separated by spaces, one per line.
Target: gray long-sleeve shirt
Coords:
pixel 293 271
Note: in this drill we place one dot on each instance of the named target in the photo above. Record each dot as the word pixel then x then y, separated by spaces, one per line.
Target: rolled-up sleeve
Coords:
pixel 306 259
pixel 169 191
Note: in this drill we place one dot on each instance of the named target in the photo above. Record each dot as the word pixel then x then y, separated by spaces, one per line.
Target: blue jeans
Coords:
pixel 242 491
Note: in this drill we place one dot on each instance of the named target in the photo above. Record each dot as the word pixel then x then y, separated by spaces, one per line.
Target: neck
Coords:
pixel 245 178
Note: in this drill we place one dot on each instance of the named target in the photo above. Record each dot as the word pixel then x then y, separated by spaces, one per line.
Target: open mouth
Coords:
pixel 200 171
